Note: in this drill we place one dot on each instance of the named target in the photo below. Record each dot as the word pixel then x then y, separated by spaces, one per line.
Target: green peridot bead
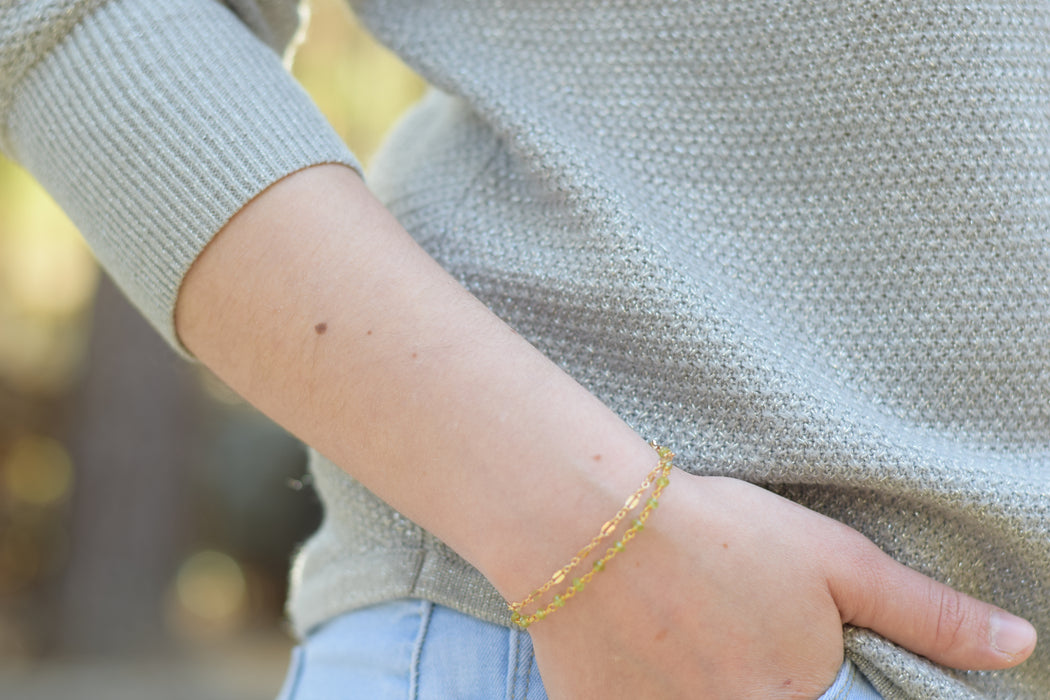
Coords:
pixel 559 601
pixel 653 502
pixel 663 481
pixel 577 584
pixel 599 565
pixel 618 546
pixel 540 614
pixel 638 524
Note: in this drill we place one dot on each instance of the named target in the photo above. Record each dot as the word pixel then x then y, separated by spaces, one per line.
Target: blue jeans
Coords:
pixel 416 650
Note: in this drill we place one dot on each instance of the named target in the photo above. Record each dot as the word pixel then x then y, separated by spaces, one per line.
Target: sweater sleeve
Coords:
pixel 152 124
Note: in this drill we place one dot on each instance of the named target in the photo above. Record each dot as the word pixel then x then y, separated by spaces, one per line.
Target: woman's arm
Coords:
pixel 318 308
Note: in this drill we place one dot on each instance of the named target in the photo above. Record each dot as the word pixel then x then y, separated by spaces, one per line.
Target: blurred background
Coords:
pixel 147 516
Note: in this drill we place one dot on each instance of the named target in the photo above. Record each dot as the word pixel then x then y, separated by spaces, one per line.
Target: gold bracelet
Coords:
pixel 660 476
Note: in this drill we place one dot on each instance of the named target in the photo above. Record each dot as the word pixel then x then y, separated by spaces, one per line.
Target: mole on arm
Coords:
pixel 320 328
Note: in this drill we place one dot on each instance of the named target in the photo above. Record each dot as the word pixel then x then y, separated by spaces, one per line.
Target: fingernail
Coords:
pixel 1010 635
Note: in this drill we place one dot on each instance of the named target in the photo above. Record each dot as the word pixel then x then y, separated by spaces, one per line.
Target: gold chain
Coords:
pixel 660 476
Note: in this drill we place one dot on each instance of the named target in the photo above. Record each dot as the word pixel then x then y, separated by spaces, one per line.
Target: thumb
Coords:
pixel 927 617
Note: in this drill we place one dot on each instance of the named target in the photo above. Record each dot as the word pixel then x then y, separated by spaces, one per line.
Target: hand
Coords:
pixel 734 592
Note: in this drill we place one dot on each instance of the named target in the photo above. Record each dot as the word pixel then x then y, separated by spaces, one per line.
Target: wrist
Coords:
pixel 612 539
pixel 544 528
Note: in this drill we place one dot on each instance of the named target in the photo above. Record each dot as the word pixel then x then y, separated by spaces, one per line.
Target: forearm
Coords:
pixel 318 308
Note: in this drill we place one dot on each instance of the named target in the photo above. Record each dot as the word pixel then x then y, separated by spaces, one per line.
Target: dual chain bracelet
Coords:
pixel 657 480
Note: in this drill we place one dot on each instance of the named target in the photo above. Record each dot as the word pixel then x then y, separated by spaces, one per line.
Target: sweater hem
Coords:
pixel 424 573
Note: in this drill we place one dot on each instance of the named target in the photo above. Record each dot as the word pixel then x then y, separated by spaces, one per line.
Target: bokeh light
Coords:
pixel 360 87
pixel 47 268
pixel 210 588
pixel 47 282
pixel 37 471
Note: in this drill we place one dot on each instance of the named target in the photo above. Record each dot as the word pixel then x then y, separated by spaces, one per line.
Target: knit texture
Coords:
pixel 152 124
pixel 802 243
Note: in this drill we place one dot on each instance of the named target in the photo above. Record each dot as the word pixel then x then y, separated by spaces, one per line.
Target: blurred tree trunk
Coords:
pixel 131 423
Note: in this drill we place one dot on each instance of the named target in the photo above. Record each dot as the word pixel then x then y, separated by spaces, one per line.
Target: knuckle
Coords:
pixel 953 617
pixel 867 567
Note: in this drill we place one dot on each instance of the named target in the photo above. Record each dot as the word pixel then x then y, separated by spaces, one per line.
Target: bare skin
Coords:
pixel 318 308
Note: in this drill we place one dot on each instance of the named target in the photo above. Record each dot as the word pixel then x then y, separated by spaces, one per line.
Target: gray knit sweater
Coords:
pixel 806 244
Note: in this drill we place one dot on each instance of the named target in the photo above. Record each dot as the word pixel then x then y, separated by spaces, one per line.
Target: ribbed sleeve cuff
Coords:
pixel 151 125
